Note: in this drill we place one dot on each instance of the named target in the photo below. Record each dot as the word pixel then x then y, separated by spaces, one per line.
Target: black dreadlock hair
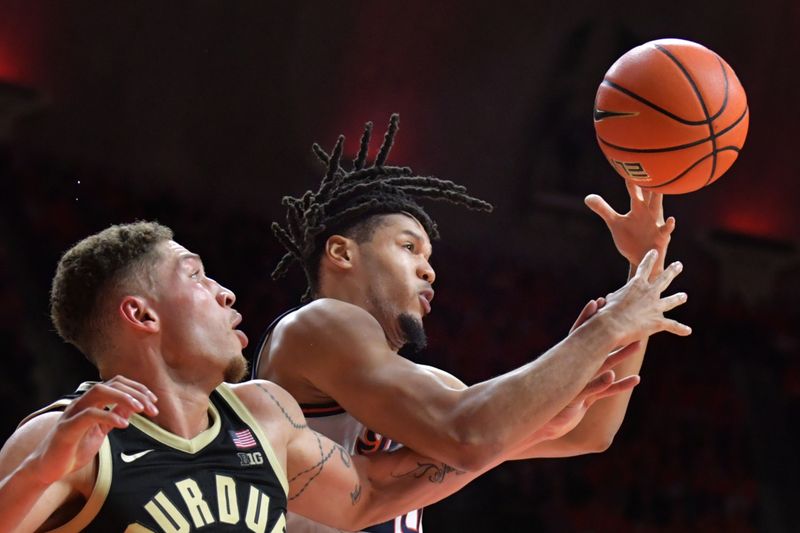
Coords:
pixel 346 198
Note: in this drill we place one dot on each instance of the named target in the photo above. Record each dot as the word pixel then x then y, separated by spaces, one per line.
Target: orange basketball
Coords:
pixel 671 116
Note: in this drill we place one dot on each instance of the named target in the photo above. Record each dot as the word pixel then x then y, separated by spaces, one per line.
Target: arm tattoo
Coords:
pixel 356 494
pixel 435 473
pixel 294 424
pixel 316 469
pixel 344 456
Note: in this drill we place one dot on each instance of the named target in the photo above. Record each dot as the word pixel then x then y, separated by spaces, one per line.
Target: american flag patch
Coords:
pixel 243 439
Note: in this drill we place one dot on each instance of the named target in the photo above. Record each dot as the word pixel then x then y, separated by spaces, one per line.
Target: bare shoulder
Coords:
pixel 268 402
pixel 445 378
pixel 324 331
pixel 325 318
pixel 26 438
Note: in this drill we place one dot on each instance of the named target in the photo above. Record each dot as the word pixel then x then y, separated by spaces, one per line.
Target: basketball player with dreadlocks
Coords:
pixel 364 243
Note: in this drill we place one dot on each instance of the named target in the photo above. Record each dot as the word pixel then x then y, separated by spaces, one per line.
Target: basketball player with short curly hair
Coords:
pixel 163 444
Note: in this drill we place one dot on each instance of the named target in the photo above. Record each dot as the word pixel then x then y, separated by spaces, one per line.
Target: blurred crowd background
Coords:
pixel 201 115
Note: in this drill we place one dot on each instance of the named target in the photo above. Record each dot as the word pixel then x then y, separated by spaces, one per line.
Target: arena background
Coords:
pixel 202 114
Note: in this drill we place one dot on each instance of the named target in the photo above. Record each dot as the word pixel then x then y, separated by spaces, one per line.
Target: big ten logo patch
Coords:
pixel 370 442
pixel 251 459
pixel 630 169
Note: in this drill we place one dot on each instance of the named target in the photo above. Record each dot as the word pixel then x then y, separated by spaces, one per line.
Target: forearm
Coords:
pixel 399 482
pixel 497 416
pixel 597 428
pixel 19 493
pixel 594 433
pixel 353 492
pixel 604 418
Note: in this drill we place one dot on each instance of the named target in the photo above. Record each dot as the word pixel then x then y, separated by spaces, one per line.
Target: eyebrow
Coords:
pixel 413 234
pixel 418 237
pixel 190 255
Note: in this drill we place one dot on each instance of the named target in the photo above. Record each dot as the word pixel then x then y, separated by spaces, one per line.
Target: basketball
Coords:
pixel 671 116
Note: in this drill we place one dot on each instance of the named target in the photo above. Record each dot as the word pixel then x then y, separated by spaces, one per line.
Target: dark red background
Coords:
pixel 201 114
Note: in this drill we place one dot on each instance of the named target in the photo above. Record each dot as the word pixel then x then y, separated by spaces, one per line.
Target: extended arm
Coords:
pixel 329 486
pixel 642 228
pixel 342 351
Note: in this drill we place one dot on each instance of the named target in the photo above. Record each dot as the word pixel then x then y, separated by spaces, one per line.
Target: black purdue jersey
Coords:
pixel 227 478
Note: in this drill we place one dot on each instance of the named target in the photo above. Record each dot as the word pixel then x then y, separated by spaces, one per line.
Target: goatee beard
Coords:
pixel 236 370
pixel 413 333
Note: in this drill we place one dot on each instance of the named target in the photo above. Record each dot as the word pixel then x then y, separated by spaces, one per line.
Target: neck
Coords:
pixel 356 296
pixel 345 290
pixel 182 403
pixel 182 410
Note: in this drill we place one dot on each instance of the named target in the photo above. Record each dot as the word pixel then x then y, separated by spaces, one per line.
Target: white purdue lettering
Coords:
pixel 226 500
pixel 280 525
pixel 257 511
pixel 193 496
pixel 178 524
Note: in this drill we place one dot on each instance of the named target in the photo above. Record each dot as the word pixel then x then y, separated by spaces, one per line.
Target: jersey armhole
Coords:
pixel 98 496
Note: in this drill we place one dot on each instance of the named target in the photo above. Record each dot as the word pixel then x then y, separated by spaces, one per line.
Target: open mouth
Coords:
pixel 425 298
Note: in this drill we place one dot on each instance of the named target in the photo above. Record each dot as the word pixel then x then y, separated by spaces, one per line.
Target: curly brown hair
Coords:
pixel 92 271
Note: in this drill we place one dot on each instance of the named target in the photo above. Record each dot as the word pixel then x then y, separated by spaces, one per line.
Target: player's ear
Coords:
pixel 340 251
pixel 139 314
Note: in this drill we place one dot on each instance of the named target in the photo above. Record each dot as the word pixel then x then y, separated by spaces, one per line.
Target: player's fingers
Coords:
pixel 618 356
pixel 601 302
pixel 134 384
pixel 636 194
pixel 676 328
pixel 598 383
pixel 622 385
pixel 134 388
pixel 655 202
pixel 646 265
pixel 668 227
pixel 588 310
pixel 665 278
pixel 101 395
pixel 78 424
pixel 673 301
pixel 597 204
pixel 143 398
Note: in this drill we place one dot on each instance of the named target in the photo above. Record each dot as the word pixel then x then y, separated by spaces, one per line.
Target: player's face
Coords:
pixel 198 322
pixel 399 277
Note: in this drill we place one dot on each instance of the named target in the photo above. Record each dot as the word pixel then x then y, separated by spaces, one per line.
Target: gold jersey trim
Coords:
pixel 58 405
pixel 98 496
pixel 247 417
pixel 167 438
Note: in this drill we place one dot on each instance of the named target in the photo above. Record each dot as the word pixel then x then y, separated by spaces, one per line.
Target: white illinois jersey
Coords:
pixel 149 480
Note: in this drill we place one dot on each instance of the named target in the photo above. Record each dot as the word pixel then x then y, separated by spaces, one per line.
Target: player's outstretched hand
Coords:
pixel 603 385
pixel 79 432
pixel 636 310
pixel 641 229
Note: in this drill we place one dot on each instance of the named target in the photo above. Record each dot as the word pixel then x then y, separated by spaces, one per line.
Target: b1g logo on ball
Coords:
pixel 629 169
